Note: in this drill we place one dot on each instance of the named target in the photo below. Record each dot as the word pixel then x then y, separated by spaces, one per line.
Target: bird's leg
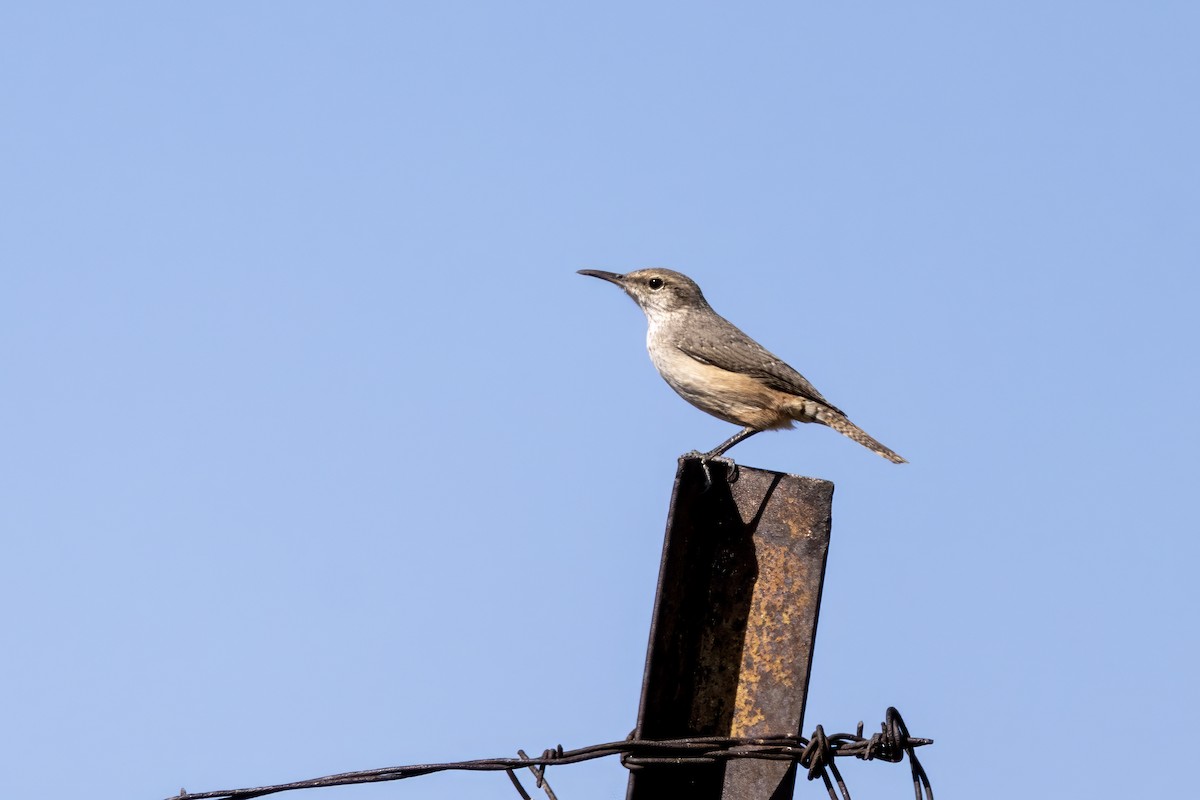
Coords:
pixel 744 433
pixel 715 455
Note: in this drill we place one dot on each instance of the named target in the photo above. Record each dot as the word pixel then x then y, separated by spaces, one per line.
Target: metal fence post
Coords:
pixel 735 617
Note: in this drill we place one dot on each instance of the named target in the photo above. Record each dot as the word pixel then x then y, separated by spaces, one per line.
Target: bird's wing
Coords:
pixel 725 346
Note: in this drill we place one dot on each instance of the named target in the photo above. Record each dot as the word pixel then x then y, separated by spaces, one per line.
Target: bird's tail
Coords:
pixel 845 427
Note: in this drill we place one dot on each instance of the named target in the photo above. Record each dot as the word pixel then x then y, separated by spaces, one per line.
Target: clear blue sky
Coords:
pixel 317 455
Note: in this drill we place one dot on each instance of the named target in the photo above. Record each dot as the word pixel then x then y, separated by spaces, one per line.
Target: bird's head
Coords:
pixel 658 291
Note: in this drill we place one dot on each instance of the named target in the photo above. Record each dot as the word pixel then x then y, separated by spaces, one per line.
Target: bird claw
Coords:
pixel 731 467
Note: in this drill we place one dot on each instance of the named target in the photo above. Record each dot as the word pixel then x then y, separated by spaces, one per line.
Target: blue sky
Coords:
pixel 317 455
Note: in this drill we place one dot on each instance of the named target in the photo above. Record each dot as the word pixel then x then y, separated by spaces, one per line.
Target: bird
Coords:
pixel 720 370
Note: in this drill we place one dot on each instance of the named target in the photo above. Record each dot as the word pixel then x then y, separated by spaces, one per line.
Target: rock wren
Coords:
pixel 719 369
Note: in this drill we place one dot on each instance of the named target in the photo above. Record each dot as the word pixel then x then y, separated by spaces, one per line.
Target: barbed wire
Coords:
pixel 817 754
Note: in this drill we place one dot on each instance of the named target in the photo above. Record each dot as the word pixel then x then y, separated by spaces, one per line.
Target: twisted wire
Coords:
pixel 817 754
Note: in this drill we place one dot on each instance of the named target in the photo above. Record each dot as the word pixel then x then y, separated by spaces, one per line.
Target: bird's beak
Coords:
pixel 611 277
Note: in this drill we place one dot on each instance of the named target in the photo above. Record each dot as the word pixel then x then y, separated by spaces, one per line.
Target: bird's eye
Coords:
pixel 655 283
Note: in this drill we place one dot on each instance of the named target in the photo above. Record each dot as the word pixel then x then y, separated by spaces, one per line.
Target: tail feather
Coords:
pixel 847 428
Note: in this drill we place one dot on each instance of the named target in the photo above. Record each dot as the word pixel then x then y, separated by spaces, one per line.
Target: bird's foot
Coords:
pixel 731 467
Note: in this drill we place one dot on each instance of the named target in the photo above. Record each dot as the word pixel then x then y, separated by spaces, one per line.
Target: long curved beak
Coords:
pixel 611 277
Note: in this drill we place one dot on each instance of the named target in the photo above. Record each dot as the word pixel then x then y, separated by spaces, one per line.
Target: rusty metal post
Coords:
pixel 735 617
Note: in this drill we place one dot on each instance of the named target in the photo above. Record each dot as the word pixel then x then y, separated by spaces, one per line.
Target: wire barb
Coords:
pixel 817 754
pixel 540 772
pixel 512 776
